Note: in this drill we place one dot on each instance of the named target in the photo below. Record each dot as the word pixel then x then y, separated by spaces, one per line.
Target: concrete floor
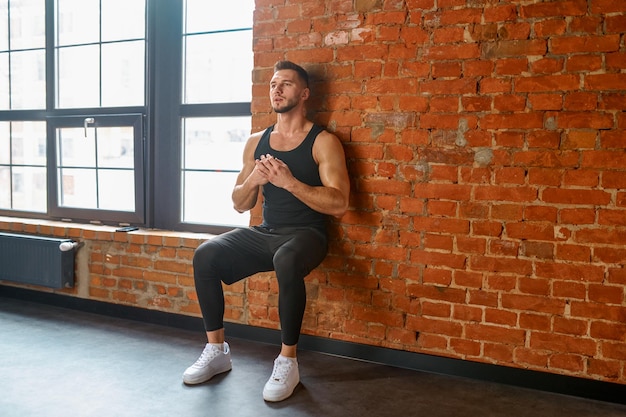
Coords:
pixel 60 362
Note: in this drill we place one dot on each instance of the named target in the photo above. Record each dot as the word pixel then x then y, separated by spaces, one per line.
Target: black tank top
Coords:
pixel 280 207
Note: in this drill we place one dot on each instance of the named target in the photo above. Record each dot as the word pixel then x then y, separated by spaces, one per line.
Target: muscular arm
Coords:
pixel 333 196
pixel 249 181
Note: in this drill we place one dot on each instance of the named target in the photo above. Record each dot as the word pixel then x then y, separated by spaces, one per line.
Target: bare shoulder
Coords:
pixel 254 138
pixel 326 145
pixel 251 144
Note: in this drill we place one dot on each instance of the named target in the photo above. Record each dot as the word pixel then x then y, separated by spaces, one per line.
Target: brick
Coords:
pixel 577 139
pixel 612 139
pixel 586 25
pixel 547 83
pixel 604 159
pixel 580 101
pixel 448 35
pixel 605 82
pixel 547 159
pixel 615 23
pixel 495 85
pixel 498 352
pixel 465 347
pixel 554 8
pixel 577 216
pixel 571 363
pixel 500 13
pixel 582 44
pixel 446 69
pixel 549 101
pixel 435 326
pixel 575 196
pixel 577 253
pixel 583 63
pixel 606 294
pixel 550 27
pixel 547 66
pixel 460 86
pixel 509 103
pixel 612 179
pixel 604 368
pixel 563 343
pixel 606 6
pixel 512 121
pixel 570 272
pixel 513 48
pixel 495 334
pixel 476 104
pixel 583 178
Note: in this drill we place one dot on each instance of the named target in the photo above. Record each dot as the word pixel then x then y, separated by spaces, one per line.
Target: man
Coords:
pixel 301 171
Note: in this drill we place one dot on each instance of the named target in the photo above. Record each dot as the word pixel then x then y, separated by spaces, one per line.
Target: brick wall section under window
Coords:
pixel 486 143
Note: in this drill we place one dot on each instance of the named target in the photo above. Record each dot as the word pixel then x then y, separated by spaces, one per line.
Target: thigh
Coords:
pixel 238 254
pixel 304 247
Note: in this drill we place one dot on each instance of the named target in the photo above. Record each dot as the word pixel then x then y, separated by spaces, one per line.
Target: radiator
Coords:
pixel 37 260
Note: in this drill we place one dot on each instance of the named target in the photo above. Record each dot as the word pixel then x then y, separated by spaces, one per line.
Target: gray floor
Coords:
pixel 58 362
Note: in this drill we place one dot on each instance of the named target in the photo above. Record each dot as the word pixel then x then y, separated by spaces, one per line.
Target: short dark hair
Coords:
pixel 288 65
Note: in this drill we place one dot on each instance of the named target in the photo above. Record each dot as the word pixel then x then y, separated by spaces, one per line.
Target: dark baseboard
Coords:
pixel 542 381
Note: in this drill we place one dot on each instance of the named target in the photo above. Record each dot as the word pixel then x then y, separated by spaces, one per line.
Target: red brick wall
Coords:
pixel 486 145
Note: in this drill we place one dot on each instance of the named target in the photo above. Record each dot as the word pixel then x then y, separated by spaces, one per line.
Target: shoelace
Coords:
pixel 208 354
pixel 281 371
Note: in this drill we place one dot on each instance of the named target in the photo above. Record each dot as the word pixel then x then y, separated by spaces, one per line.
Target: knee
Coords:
pixel 205 258
pixel 286 260
pixel 290 269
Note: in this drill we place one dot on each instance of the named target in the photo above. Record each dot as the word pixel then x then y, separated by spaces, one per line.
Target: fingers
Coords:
pixel 269 161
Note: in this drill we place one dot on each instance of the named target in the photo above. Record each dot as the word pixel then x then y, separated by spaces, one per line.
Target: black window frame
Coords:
pixel 162 115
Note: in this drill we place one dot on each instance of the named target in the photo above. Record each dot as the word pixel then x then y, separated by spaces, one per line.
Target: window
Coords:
pixel 100 53
pixel 217 58
pixel 124 111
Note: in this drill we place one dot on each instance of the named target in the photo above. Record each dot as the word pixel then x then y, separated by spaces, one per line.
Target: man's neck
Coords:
pixel 290 124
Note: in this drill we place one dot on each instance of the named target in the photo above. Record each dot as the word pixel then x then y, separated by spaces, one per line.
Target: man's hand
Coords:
pixel 274 171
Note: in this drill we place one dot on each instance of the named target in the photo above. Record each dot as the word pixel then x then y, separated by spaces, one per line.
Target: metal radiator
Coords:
pixel 37 260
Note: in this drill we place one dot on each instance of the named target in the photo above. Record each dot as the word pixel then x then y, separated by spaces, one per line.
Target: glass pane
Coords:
pixel 123 19
pixel 29 189
pixel 218 68
pixel 4 25
pixel 215 143
pixel 77 188
pixel 218 209
pixel 5 187
pixel 74 149
pixel 116 189
pixel 203 16
pixel 4 81
pixel 28 80
pixel 5 143
pixel 123 74
pixel 28 143
pixel 28 24
pixel 78 21
pixel 116 147
pixel 79 77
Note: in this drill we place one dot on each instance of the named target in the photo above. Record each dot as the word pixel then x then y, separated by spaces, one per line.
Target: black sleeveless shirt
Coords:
pixel 280 207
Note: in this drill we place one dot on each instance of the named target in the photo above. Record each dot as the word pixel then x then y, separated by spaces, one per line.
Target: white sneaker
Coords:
pixel 213 361
pixel 284 380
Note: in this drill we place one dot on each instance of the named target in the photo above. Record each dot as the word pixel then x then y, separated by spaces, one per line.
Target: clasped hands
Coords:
pixel 273 170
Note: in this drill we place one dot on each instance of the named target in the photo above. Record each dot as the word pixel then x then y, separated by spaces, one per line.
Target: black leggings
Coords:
pixel 292 252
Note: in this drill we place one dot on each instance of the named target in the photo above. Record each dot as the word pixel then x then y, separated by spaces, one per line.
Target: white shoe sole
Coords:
pixel 269 398
pixel 190 380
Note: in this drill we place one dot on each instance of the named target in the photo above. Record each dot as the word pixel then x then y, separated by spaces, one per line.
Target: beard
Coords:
pixel 290 105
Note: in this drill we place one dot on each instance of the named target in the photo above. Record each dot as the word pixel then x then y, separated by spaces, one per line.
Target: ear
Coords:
pixel 306 93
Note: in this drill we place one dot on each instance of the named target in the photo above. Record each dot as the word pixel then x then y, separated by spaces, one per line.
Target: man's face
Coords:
pixel 286 91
